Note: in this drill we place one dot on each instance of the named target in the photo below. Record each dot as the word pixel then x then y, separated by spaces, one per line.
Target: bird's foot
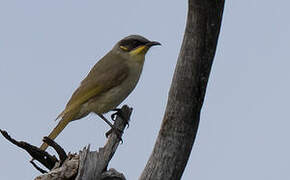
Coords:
pixel 119 113
pixel 117 131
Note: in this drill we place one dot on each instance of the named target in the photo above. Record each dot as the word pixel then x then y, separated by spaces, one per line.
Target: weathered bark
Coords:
pixel 181 119
pixel 93 165
pixel 43 157
pixel 86 165
pixel 67 171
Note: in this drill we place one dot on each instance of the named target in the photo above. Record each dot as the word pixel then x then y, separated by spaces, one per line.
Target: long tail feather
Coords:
pixel 57 130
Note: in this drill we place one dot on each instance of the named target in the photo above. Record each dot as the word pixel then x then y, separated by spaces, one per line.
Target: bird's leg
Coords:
pixel 119 113
pixel 106 120
pixel 113 128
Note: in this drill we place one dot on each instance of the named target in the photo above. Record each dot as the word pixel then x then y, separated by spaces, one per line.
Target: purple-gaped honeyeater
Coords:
pixel 108 83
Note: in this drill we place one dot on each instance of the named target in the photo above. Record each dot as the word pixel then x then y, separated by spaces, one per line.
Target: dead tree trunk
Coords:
pixel 181 119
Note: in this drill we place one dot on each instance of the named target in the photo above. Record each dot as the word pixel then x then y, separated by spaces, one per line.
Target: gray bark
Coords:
pixel 180 123
pixel 92 165
pixel 181 119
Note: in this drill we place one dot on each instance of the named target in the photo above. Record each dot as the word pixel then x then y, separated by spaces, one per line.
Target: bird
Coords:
pixel 108 83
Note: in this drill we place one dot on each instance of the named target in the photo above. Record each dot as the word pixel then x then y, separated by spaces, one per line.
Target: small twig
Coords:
pixel 37 167
pixel 43 157
pixel 86 165
pixel 60 151
pixel 93 164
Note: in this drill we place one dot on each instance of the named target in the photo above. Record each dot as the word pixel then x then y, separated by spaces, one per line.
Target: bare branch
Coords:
pixel 181 119
pixel 92 165
pixel 43 157
pixel 67 171
pixel 60 151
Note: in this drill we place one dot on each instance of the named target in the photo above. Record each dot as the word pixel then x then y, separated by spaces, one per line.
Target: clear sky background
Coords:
pixel 48 47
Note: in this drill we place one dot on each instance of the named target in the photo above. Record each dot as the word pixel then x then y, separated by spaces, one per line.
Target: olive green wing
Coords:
pixel 109 72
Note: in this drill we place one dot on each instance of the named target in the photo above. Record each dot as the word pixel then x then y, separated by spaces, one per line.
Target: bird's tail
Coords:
pixel 60 126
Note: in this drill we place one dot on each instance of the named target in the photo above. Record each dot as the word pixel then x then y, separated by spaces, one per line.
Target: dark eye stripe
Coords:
pixel 137 43
pixel 131 43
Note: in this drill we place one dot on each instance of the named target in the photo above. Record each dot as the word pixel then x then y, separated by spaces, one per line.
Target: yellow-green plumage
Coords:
pixel 108 83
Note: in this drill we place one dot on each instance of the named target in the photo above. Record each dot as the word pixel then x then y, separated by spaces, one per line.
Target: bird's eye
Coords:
pixel 136 43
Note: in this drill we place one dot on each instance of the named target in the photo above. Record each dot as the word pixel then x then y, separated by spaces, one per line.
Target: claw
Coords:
pixel 113 116
pixel 119 113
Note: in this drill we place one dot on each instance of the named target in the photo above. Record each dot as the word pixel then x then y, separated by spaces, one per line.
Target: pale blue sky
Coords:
pixel 47 48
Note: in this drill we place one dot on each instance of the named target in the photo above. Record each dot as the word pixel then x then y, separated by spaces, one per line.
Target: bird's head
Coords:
pixel 134 46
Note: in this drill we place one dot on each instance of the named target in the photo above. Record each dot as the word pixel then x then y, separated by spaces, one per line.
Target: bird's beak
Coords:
pixel 152 43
